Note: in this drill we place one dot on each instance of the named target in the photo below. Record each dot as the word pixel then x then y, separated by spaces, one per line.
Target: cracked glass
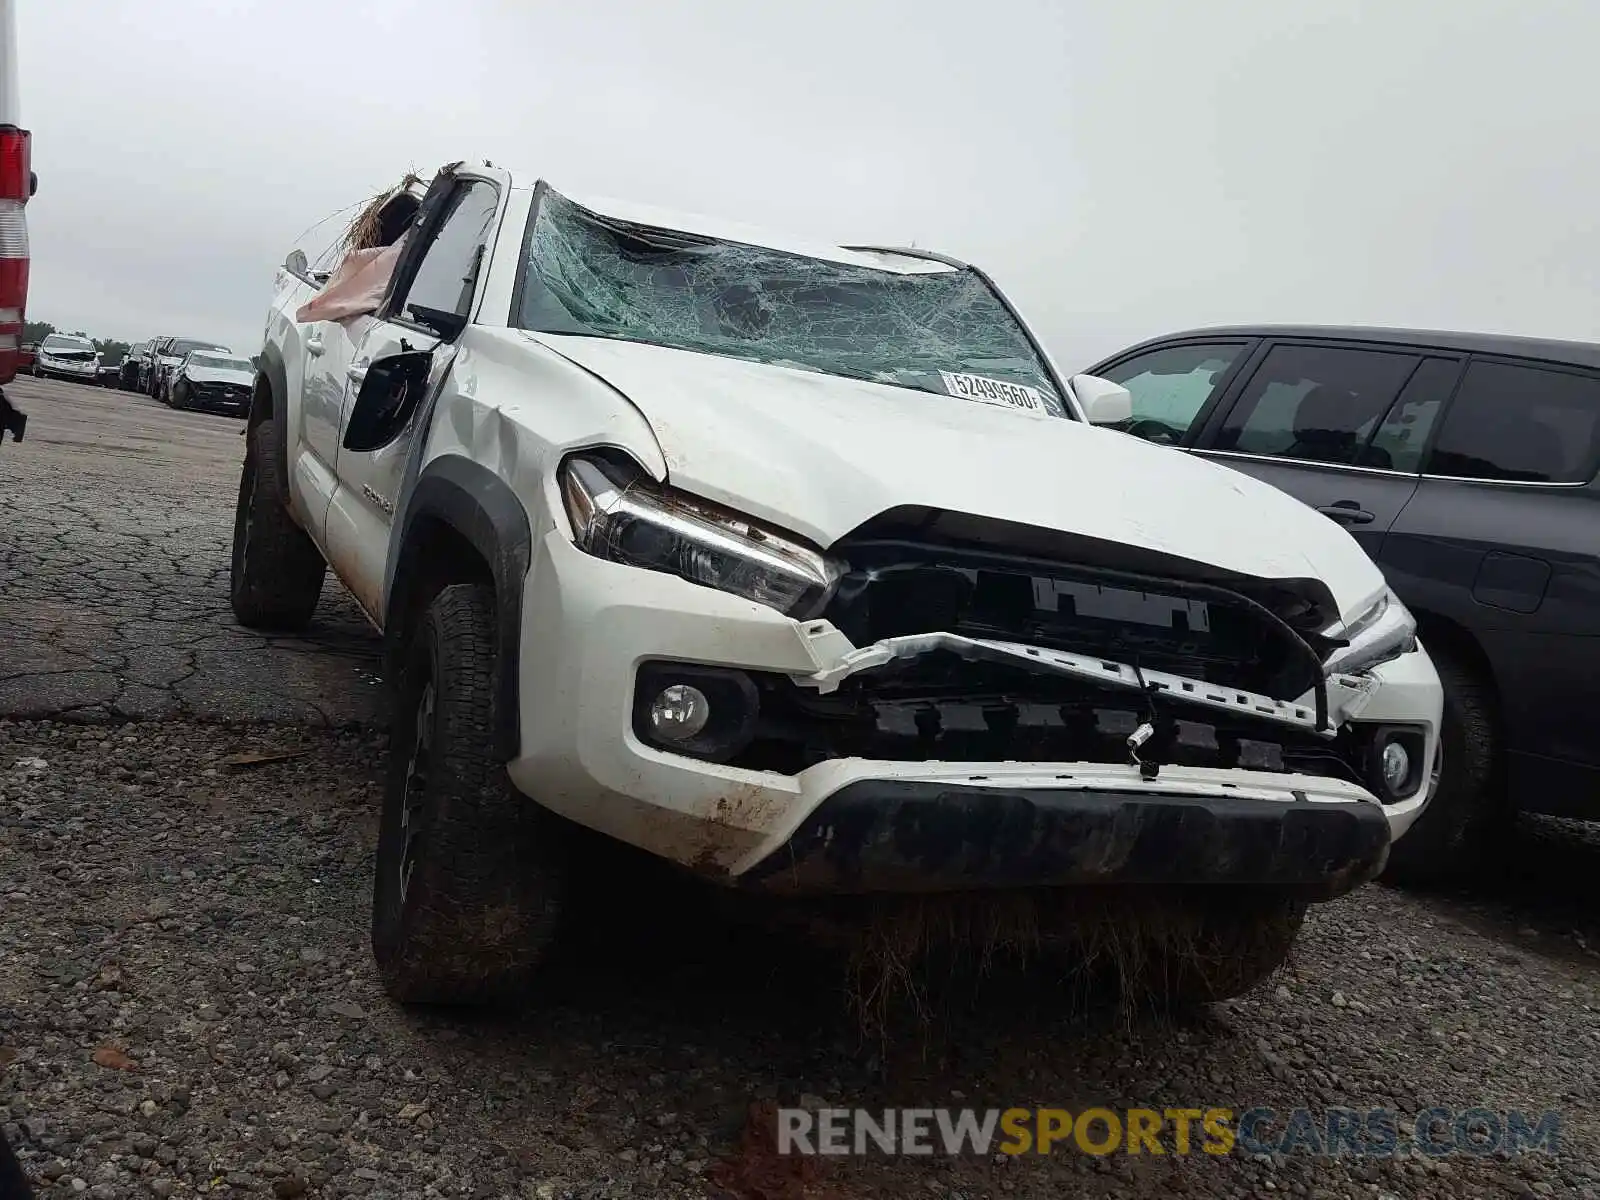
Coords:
pixel 593 275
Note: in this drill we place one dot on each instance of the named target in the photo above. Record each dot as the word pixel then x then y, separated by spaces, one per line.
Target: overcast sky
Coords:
pixel 1122 169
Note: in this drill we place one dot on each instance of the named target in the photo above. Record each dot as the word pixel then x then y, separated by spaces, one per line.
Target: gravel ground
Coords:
pixel 188 1005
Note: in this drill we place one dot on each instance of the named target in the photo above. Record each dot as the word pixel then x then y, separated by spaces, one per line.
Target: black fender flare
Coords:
pixel 277 380
pixel 479 506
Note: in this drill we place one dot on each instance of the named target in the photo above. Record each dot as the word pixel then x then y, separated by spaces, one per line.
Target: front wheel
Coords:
pixel 277 570
pixel 1458 830
pixel 178 396
pixel 470 876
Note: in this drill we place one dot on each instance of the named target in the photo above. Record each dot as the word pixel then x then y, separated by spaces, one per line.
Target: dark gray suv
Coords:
pixel 1466 465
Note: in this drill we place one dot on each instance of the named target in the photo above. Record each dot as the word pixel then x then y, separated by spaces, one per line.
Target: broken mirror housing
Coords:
pixel 623 516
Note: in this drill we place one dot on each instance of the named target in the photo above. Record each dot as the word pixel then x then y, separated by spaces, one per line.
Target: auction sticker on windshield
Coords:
pixel 995 391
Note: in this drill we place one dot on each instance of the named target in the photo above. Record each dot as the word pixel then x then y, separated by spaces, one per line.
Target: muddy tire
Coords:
pixel 1215 953
pixel 1468 815
pixel 470 876
pixel 277 569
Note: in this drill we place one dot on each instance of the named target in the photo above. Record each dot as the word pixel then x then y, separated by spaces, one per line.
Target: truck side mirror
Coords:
pixel 1104 402
pixel 296 264
pixel 389 394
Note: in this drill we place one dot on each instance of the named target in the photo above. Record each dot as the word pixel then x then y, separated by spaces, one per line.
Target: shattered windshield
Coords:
pixel 57 343
pixel 184 346
pixel 943 331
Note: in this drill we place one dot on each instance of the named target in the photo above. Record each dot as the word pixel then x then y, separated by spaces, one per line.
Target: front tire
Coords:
pixel 178 396
pixel 1456 833
pixel 470 876
pixel 277 570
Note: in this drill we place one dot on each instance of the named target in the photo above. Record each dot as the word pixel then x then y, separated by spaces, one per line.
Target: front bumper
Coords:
pixel 220 399
pixel 67 369
pixel 1098 827
pixel 856 824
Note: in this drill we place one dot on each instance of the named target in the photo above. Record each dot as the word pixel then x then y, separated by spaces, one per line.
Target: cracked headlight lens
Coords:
pixel 628 518
pixel 1383 632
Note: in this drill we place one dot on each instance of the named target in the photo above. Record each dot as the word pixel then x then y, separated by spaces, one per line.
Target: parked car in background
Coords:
pixel 1466 465
pixel 25 357
pixel 67 356
pixel 128 369
pixel 207 379
pixel 170 353
pixel 802 613
pixel 144 366
pixel 108 374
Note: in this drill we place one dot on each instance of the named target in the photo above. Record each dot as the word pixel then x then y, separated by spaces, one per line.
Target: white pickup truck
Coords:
pixel 801 567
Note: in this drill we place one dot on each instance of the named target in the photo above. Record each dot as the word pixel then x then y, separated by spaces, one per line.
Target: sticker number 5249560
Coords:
pixel 995 391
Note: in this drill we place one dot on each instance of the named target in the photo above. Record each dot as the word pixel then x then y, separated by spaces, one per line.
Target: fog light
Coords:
pixel 681 711
pixel 1396 765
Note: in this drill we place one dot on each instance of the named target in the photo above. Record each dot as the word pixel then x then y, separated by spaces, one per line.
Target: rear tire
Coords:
pixel 470 876
pixel 1468 814
pixel 277 569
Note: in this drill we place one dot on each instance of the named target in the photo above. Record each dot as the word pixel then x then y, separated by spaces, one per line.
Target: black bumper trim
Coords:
pixel 920 836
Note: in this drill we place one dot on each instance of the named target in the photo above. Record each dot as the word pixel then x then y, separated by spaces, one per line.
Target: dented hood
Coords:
pixel 819 455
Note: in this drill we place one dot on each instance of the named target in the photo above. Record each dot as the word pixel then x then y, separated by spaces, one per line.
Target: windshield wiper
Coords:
pixel 848 373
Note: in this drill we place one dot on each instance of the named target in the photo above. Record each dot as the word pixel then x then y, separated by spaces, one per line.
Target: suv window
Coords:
pixel 1317 403
pixel 1520 423
pixel 1171 385
pixel 1404 432
pixel 448 273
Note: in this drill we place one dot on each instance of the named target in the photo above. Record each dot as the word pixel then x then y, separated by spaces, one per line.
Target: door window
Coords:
pixel 1317 403
pixel 448 274
pixel 1171 385
pixel 1400 440
pixel 1520 423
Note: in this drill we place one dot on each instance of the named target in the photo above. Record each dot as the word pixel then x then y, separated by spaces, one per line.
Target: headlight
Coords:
pixel 627 518
pixel 1384 631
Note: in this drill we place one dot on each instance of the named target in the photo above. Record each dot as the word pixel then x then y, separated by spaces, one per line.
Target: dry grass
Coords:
pixel 911 959
pixel 362 232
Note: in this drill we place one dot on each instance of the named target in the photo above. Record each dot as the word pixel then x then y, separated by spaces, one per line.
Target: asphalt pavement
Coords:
pixel 116 519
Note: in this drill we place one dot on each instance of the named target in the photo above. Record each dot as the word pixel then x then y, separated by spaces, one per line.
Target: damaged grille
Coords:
pixel 221 391
pixel 941 707
pixel 1199 631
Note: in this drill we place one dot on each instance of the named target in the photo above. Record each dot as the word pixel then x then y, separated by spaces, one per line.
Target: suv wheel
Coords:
pixel 1453 836
pixel 277 569
pixel 470 875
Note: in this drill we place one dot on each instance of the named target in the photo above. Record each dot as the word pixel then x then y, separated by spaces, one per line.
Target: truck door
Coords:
pixel 432 301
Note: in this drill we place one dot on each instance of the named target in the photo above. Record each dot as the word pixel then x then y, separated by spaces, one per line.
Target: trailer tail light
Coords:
pixel 16 185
